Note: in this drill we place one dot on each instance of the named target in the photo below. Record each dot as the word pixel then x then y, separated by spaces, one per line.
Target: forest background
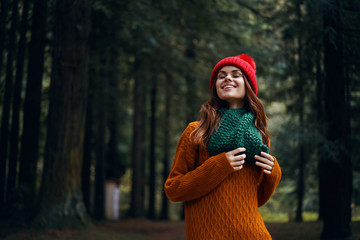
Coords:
pixel 98 91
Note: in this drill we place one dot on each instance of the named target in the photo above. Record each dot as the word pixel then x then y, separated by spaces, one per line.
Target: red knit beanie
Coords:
pixel 244 62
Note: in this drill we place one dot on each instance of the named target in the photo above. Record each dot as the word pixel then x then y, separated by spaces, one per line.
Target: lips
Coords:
pixel 228 86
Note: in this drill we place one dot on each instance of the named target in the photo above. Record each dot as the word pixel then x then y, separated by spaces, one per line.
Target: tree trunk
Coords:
pixel 15 123
pixel 335 175
pixel 320 119
pixel 61 204
pixel 114 164
pixel 4 137
pixel 190 86
pixel 166 147
pixel 138 180
pixel 32 108
pixel 152 176
pixel 87 159
pixel 101 117
pixel 301 164
pixel 3 21
pixel 89 139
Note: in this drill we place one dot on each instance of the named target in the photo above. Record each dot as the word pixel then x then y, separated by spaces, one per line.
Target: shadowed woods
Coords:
pixel 95 94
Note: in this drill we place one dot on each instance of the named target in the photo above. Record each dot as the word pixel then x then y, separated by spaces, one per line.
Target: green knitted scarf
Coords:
pixel 237 129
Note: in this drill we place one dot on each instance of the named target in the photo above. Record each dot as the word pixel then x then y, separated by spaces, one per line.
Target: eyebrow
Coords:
pixel 237 70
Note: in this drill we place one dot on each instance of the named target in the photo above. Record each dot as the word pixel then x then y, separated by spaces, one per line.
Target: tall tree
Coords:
pixel 190 83
pixel 320 109
pixel 301 164
pixel 89 138
pixel 104 106
pixel 152 157
pixel 100 145
pixel 166 146
pixel 352 73
pixel 115 167
pixel 138 179
pixel 5 118
pixel 32 107
pixel 15 123
pixel 336 169
pixel 87 157
pixel 3 22
pixel 61 204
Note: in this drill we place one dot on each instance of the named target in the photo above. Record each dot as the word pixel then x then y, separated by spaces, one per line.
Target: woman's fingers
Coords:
pixel 267 156
pixel 237 163
pixel 234 154
pixel 239 157
pixel 237 151
pixel 238 168
pixel 236 159
pixel 266 161
pixel 265 166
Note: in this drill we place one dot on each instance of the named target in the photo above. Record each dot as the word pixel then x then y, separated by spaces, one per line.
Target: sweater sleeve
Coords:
pixel 186 181
pixel 268 183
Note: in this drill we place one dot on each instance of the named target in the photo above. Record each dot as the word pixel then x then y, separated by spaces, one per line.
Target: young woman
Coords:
pixel 222 168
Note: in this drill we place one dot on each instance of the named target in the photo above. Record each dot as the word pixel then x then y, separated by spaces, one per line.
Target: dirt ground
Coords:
pixel 151 230
pixel 176 230
pixel 142 229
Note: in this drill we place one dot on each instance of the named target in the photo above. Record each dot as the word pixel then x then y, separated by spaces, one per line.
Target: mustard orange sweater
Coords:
pixel 220 203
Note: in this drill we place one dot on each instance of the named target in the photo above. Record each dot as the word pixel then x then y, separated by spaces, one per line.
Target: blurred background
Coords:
pixel 95 95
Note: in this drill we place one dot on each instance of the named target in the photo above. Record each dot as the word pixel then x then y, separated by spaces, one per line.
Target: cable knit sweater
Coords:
pixel 220 203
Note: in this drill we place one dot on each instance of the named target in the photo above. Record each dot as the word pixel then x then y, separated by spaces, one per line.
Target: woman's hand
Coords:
pixel 266 161
pixel 236 159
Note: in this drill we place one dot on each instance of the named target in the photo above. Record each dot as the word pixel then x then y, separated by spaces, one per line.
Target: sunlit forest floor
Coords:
pixel 158 230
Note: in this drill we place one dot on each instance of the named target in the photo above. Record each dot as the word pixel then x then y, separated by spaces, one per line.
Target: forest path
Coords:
pixel 175 230
pixel 142 229
pixel 151 230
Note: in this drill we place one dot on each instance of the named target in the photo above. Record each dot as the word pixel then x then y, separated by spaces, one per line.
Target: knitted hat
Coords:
pixel 242 61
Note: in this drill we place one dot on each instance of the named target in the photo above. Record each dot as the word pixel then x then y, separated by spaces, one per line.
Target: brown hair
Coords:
pixel 210 118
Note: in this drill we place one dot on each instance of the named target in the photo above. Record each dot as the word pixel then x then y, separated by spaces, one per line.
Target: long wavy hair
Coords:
pixel 210 118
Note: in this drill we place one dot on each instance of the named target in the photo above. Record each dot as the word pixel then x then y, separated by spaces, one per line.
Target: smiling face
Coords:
pixel 230 86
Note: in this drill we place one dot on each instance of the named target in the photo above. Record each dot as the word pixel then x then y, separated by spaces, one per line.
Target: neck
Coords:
pixel 235 105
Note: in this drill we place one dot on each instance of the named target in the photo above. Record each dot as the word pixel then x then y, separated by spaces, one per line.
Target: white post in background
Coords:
pixel 112 200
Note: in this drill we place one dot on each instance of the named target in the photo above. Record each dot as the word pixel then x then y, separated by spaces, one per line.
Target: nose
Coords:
pixel 228 78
